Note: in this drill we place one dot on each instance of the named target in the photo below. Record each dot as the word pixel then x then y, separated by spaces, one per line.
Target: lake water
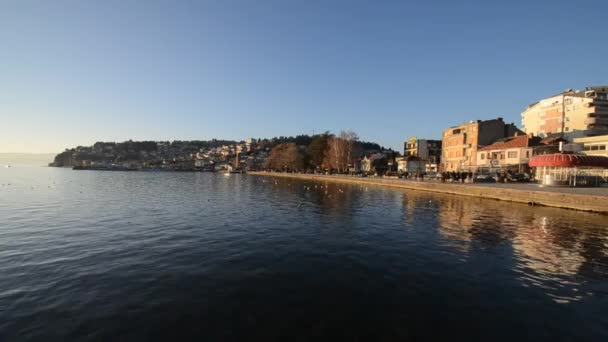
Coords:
pixel 139 256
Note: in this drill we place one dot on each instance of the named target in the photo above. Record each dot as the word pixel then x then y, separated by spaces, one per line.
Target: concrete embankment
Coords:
pixel 551 197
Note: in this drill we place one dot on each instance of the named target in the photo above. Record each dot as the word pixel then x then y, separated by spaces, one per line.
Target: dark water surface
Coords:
pixel 136 256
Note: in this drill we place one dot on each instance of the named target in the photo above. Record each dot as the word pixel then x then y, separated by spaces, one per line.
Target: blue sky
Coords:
pixel 76 72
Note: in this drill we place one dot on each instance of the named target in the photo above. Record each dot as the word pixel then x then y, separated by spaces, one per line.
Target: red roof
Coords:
pixel 513 142
pixel 568 160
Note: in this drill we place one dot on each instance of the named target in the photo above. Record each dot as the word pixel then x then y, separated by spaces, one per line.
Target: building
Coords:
pixel 411 164
pixel 549 146
pixel 375 163
pixel 573 114
pixel 249 144
pixel 429 151
pixel 508 154
pixel 570 169
pixel 460 143
pixel 594 146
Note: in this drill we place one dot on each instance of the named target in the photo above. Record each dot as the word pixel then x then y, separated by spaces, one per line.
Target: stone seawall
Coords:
pixel 553 198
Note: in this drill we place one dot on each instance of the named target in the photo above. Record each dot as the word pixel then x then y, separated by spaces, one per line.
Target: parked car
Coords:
pixel 518 177
pixel 485 178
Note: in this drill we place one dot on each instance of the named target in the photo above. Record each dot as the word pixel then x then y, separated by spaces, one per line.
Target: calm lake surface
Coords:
pixel 139 256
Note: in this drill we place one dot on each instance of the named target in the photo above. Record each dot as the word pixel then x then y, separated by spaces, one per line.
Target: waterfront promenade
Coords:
pixel 586 199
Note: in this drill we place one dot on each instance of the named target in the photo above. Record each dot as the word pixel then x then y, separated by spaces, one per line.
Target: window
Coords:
pixel 527 154
pixel 512 154
pixel 587 148
pixel 483 156
pixel 595 147
pixel 567 129
pixel 603 147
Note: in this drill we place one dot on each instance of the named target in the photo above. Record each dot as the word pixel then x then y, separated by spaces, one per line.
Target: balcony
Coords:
pixel 596 130
pixel 601 110
pixel 596 121
pixel 600 102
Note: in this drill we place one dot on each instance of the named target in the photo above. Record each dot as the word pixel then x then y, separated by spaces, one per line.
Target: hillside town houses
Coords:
pixel 164 155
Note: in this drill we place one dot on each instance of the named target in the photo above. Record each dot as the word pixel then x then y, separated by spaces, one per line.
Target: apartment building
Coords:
pixel 571 114
pixel 429 151
pixel 460 143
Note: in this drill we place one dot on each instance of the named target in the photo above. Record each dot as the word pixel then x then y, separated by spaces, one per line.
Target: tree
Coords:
pixel 286 157
pixel 316 150
pixel 340 151
pixel 350 139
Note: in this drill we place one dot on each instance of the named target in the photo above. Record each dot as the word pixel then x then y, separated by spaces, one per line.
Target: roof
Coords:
pixel 374 156
pixel 552 140
pixel 512 142
pixel 567 92
pixel 476 122
pixel 569 160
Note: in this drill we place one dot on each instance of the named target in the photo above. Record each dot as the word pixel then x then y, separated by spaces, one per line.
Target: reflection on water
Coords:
pixel 203 256
pixel 550 247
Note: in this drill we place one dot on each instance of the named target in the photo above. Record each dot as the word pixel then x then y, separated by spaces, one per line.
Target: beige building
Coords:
pixel 411 164
pixel 573 113
pixel 460 143
pixel 511 153
pixel 429 151
pixel 594 146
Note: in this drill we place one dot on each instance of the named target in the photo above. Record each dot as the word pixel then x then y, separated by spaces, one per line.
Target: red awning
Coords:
pixel 568 160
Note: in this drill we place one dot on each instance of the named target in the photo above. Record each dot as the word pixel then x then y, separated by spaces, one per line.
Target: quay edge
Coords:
pixel 581 202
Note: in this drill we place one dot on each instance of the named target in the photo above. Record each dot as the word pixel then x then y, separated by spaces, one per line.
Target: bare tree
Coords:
pixel 350 139
pixel 340 151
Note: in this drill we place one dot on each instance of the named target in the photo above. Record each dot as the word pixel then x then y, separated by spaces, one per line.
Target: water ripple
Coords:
pixel 155 256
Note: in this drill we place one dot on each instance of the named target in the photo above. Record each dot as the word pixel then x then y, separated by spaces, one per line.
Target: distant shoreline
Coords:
pixel 26 159
pixel 543 197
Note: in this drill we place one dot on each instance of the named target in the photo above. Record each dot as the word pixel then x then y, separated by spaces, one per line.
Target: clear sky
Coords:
pixel 76 72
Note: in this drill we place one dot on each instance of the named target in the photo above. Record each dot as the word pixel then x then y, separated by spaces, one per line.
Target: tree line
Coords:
pixel 323 152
